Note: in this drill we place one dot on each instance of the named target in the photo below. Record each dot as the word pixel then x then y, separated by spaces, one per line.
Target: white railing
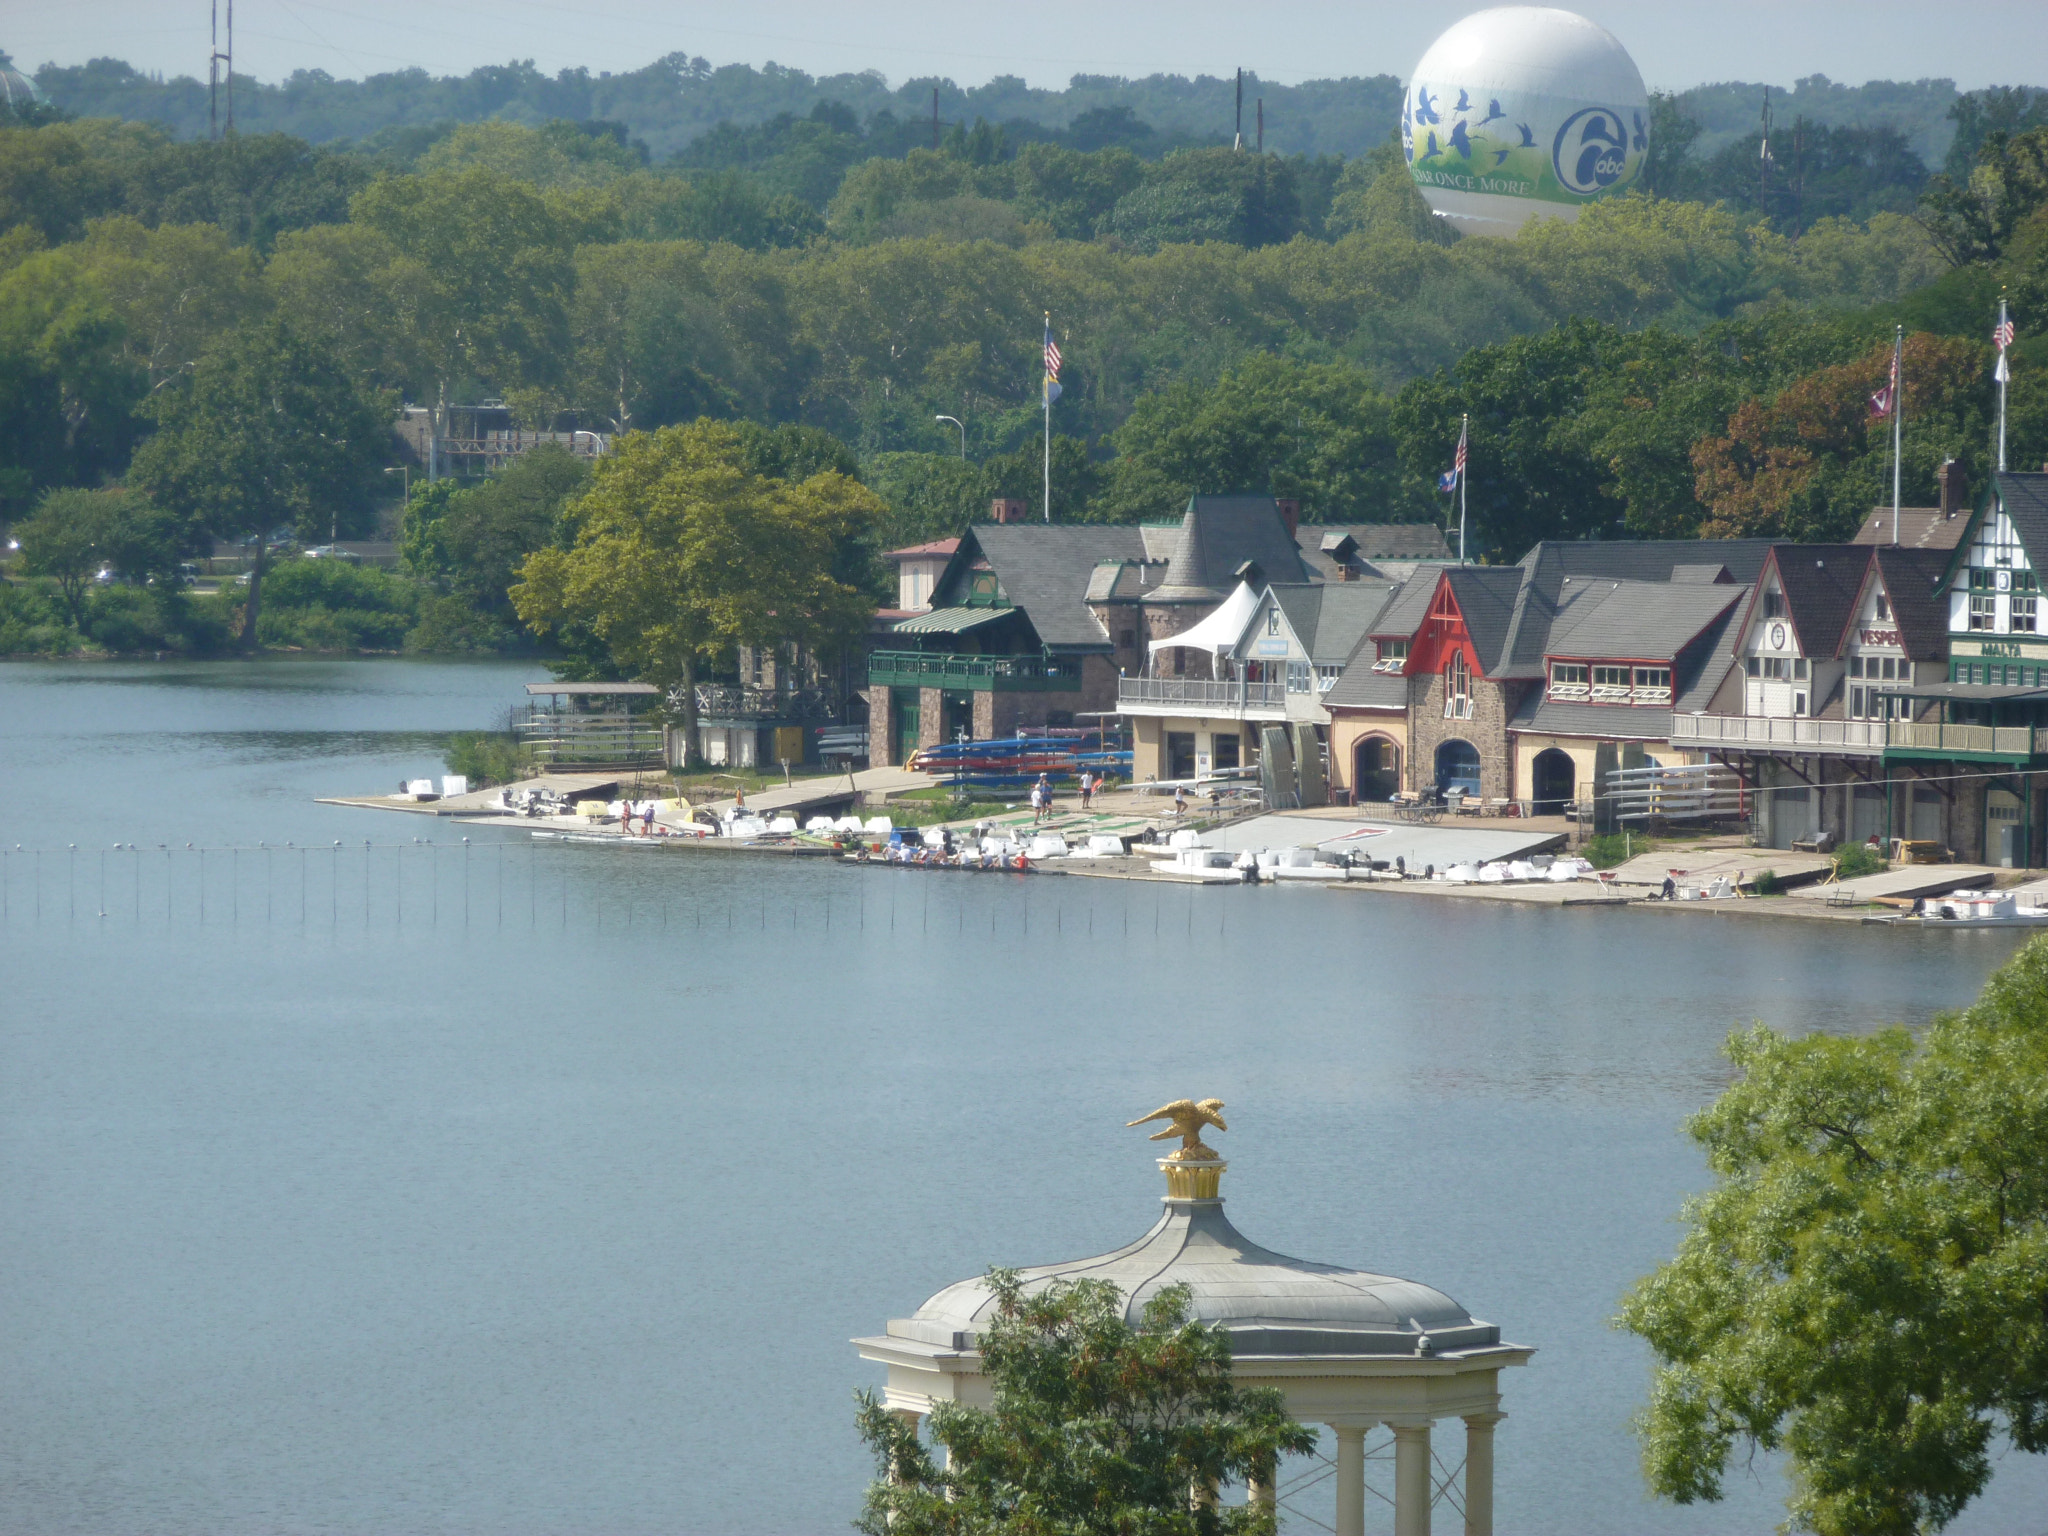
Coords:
pixel 1858 736
pixel 1202 694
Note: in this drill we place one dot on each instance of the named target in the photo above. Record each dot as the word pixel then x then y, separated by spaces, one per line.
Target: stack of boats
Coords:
pixel 1014 762
pixel 1541 867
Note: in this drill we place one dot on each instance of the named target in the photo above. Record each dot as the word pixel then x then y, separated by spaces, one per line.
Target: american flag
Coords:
pixel 1052 355
pixel 1458 464
pixel 2002 334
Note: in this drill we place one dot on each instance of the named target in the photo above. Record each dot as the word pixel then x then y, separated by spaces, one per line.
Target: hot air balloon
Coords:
pixel 1551 115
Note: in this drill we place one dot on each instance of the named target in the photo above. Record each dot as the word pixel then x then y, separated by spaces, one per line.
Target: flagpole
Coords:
pixel 2004 372
pixel 1898 419
pixel 1047 392
pixel 1464 427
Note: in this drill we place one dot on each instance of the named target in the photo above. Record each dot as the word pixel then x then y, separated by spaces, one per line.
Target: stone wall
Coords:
pixel 881 739
pixel 1486 730
pixel 1165 620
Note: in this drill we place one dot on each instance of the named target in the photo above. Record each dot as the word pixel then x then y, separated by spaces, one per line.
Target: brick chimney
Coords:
pixel 1006 509
pixel 1290 513
pixel 1953 488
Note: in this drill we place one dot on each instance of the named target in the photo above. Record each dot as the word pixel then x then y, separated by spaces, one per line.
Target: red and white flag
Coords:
pixel 1881 403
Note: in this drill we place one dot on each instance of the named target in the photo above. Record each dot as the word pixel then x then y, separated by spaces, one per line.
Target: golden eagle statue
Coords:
pixel 1188 1116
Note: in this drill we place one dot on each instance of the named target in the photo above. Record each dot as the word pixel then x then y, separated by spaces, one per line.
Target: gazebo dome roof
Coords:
pixel 1270 1304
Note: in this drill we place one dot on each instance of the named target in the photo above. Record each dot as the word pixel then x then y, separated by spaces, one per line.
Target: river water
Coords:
pixel 516 1189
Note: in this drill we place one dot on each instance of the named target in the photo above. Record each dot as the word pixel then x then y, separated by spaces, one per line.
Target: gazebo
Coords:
pixel 1358 1351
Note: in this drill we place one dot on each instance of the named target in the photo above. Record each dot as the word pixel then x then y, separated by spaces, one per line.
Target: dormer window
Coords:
pixel 1569 680
pixel 1393 656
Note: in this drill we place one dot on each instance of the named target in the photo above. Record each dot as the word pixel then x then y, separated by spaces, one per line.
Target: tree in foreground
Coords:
pixel 265 432
pixel 1099 1426
pixel 683 550
pixel 1866 1288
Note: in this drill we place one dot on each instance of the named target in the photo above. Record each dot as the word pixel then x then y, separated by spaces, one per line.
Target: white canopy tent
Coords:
pixel 1220 631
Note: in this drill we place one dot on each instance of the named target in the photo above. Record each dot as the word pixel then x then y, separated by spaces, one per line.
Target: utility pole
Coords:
pixel 1262 125
pixel 1763 173
pixel 1237 140
pixel 935 117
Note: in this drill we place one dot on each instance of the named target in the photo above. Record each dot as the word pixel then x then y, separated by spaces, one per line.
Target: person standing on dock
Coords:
pixel 1038 801
pixel 1087 788
pixel 1180 801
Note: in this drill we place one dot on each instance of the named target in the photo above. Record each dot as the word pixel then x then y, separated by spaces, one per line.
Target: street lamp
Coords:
pixel 404 491
pixel 963 433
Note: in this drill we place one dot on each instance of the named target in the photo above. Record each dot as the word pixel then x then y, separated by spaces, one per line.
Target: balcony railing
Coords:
pixel 723 700
pixel 1203 696
pixel 938 669
pixel 1862 737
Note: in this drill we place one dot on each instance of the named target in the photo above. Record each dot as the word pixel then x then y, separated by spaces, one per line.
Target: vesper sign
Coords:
pixel 1881 637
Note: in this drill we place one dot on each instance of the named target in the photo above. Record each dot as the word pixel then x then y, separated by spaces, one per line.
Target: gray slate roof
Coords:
pixel 1218 534
pixel 1821 583
pixel 1374 541
pixel 1487 596
pixel 2025 499
pixel 1045 570
pixel 1549 563
pixel 1362 688
pixel 1642 620
pixel 1914 579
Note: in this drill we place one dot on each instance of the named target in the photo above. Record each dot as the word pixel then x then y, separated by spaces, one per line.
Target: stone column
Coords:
pixel 1479 1472
pixel 1350 1481
pixel 1260 1485
pixel 1412 1482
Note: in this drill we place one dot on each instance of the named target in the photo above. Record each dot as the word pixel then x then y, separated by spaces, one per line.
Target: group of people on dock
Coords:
pixel 1041 794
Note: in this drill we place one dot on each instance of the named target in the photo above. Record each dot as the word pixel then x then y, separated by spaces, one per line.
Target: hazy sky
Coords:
pixel 1045 41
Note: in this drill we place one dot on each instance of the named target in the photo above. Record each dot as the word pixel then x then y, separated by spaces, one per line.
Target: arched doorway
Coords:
pixel 1553 782
pixel 1375 769
pixel 1457 767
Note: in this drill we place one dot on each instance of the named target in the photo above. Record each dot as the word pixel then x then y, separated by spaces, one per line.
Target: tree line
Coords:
pixel 1661 367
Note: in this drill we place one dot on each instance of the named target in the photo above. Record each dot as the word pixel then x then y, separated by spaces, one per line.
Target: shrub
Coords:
pixel 1612 848
pixel 329 605
pixel 1767 883
pixel 32 622
pixel 1858 859
pixel 486 758
pixel 452 626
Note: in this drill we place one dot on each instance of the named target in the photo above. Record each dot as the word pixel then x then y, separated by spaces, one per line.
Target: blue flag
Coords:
pixel 1447 481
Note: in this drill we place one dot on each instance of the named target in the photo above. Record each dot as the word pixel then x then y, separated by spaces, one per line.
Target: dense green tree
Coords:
pixel 1210 194
pixel 680 551
pixel 482 284
pixel 67 392
pixel 1099 1427
pixel 1972 217
pixel 266 431
pixel 77 537
pixel 175 289
pixel 1319 432
pixel 49 182
pixel 1865 1289
pixel 485 532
